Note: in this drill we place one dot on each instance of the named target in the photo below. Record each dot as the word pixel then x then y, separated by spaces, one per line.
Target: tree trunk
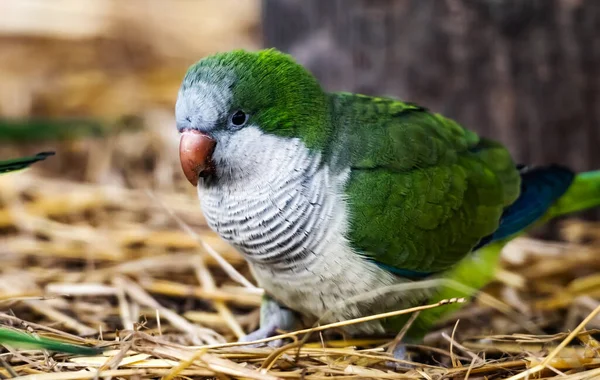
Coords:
pixel 525 72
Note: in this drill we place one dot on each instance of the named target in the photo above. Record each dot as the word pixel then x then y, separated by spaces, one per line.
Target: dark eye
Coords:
pixel 239 118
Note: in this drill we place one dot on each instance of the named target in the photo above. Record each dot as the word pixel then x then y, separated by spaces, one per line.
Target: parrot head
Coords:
pixel 229 103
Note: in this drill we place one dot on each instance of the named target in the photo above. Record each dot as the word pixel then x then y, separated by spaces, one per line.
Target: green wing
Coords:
pixel 422 190
pixel 17 164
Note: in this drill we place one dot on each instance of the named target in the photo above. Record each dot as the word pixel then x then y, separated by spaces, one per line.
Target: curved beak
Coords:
pixel 195 154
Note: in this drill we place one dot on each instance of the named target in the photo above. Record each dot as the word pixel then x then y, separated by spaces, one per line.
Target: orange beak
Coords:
pixel 195 154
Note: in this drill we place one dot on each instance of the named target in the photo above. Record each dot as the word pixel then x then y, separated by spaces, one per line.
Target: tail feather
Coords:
pixel 583 194
pixel 548 192
pixel 21 163
pixel 541 187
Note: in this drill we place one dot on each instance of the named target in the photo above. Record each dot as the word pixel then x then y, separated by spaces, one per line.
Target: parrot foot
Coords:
pixel 273 317
pixel 263 333
pixel 400 353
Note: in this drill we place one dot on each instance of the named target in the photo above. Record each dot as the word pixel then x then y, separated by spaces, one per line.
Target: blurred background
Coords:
pixel 97 80
pixel 524 72
pixel 102 67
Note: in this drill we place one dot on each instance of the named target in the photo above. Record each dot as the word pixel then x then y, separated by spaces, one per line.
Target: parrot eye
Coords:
pixel 238 119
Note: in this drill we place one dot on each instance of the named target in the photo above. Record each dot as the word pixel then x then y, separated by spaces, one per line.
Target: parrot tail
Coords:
pixel 20 339
pixel 584 193
pixel 546 192
pixel 22 163
pixel 541 187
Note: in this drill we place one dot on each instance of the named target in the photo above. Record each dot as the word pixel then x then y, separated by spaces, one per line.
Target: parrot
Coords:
pixel 330 196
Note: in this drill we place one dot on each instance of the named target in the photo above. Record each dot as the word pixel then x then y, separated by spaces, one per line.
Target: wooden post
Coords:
pixel 525 72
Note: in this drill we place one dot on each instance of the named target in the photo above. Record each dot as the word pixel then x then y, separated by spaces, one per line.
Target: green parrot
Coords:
pixel 330 196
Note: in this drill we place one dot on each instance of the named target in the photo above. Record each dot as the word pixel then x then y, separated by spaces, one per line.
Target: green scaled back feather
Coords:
pixel 19 339
pixel 18 164
pixel 422 190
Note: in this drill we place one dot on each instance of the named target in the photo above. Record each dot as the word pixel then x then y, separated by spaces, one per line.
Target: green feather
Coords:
pixel 479 268
pixel 280 96
pixel 584 193
pixel 423 190
pixel 19 339
pixel 18 164
pixel 475 272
